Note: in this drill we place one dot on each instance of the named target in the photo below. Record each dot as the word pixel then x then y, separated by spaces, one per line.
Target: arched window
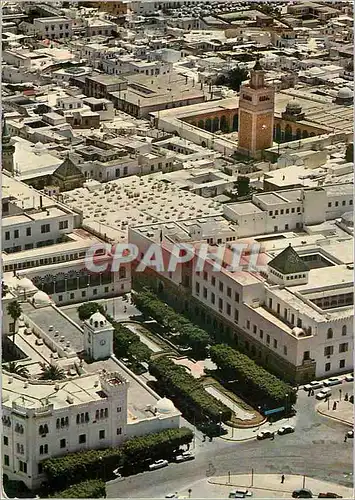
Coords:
pixel 78 419
pixel 288 133
pixel 208 125
pixel 40 429
pixel 58 423
pixel 224 124
pixel 201 124
pixel 215 124
pixel 344 330
pixel 298 133
pixel 304 134
pixel 278 133
pixel 41 449
pixel 97 415
pixel 330 333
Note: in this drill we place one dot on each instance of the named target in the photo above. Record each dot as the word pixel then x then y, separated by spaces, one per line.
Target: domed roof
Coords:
pixel 345 93
pixel 297 332
pixel 97 319
pixel 293 105
pixel 26 285
pixel 348 219
pixel 41 299
pixel 164 405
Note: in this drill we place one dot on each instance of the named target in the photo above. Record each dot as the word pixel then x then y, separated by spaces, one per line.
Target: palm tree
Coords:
pixel 52 372
pixel 17 369
pixel 14 310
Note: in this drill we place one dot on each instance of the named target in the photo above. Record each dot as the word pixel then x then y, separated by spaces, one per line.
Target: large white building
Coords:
pixel 293 311
pixel 53 28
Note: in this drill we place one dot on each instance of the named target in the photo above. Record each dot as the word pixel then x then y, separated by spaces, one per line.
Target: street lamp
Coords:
pixel 286 396
pixel 220 422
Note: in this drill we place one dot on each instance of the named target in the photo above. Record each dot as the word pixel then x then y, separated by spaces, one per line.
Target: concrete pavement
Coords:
pixel 239 434
pixel 344 411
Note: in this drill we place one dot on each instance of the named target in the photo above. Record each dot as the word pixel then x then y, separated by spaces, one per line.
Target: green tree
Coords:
pixel 52 372
pixel 17 369
pixel 14 310
pixel 349 153
pixel 86 489
pixel 234 78
pixel 88 309
pixel 243 187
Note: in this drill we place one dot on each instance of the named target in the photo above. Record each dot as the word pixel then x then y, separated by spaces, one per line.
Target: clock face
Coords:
pixel 102 342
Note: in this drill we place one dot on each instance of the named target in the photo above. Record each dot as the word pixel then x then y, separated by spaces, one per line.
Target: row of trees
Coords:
pixel 188 334
pixel 49 371
pixel 94 488
pixel 74 468
pixel 187 392
pixel 250 379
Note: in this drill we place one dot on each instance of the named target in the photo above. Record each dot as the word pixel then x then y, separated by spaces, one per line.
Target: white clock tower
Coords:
pixel 98 337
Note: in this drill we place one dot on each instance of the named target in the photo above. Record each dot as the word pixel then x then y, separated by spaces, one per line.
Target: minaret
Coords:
pixel 7 149
pixel 256 114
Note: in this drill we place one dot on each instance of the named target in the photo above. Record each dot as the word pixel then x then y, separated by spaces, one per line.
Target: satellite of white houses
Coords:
pixel 177 249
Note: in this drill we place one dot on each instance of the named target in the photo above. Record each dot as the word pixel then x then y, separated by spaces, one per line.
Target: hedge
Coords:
pixel 187 392
pixel 260 385
pixel 87 489
pixel 75 467
pixel 189 334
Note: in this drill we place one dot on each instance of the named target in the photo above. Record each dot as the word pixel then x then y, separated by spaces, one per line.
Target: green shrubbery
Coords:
pixel 86 489
pixel 75 467
pixel 187 392
pixel 189 334
pixel 252 380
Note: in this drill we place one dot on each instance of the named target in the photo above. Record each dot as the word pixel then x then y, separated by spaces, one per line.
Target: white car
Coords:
pixel 349 378
pixel 323 394
pixel 39 341
pixel 332 381
pixel 185 457
pixel 286 429
pixel 313 386
pixel 159 464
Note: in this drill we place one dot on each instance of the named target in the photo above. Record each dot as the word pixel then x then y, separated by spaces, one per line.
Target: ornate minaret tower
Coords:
pixel 256 114
pixel 7 149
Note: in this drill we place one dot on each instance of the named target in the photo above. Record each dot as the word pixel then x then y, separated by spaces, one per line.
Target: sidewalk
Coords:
pixel 271 483
pixel 344 412
pixel 238 434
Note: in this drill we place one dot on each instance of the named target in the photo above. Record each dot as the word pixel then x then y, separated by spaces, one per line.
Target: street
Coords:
pixel 316 449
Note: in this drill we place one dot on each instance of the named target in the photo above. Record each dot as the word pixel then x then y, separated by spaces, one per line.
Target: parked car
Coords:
pixel 302 493
pixel 117 473
pixel 316 384
pixel 349 378
pixel 240 493
pixel 330 494
pixel 350 434
pixel 170 495
pixel 159 464
pixel 185 457
pixel 323 394
pixel 265 435
pixel 286 429
pixel 39 341
pixel 332 381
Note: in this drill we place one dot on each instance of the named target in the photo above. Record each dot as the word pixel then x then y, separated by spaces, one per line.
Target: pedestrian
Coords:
pixel 282 479
pixel 345 438
pixel 125 309
pixel 312 392
pixel 272 436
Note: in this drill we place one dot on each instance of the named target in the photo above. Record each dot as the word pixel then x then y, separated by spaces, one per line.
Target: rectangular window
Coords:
pixel 220 304
pixel 229 291
pixel 28 231
pixel 119 409
pixel 63 224
pixel 278 308
pixel 342 363
pixel 102 434
pixel 119 431
pixel 327 367
pixel 125 170
pixel 213 298
pixel 213 281
pixel 255 328
pixel 205 276
pixel 16 233
pixel 236 315
pixel 329 204
pixel 285 350
pixel 228 308
pixel 344 347
pixel 336 203
pixel 82 438
pixel 293 210
pixel 261 334
pixel 204 292
pixel 45 228
pixel 328 351
pixel 6 440
pixel 220 286
pixel 248 324
pixel 6 460
pixel 62 443
pixel 7 235
pixel 197 287
pixel 275 343
pixel 236 297
pixel 270 303
pixel 268 339
pixel 306 355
